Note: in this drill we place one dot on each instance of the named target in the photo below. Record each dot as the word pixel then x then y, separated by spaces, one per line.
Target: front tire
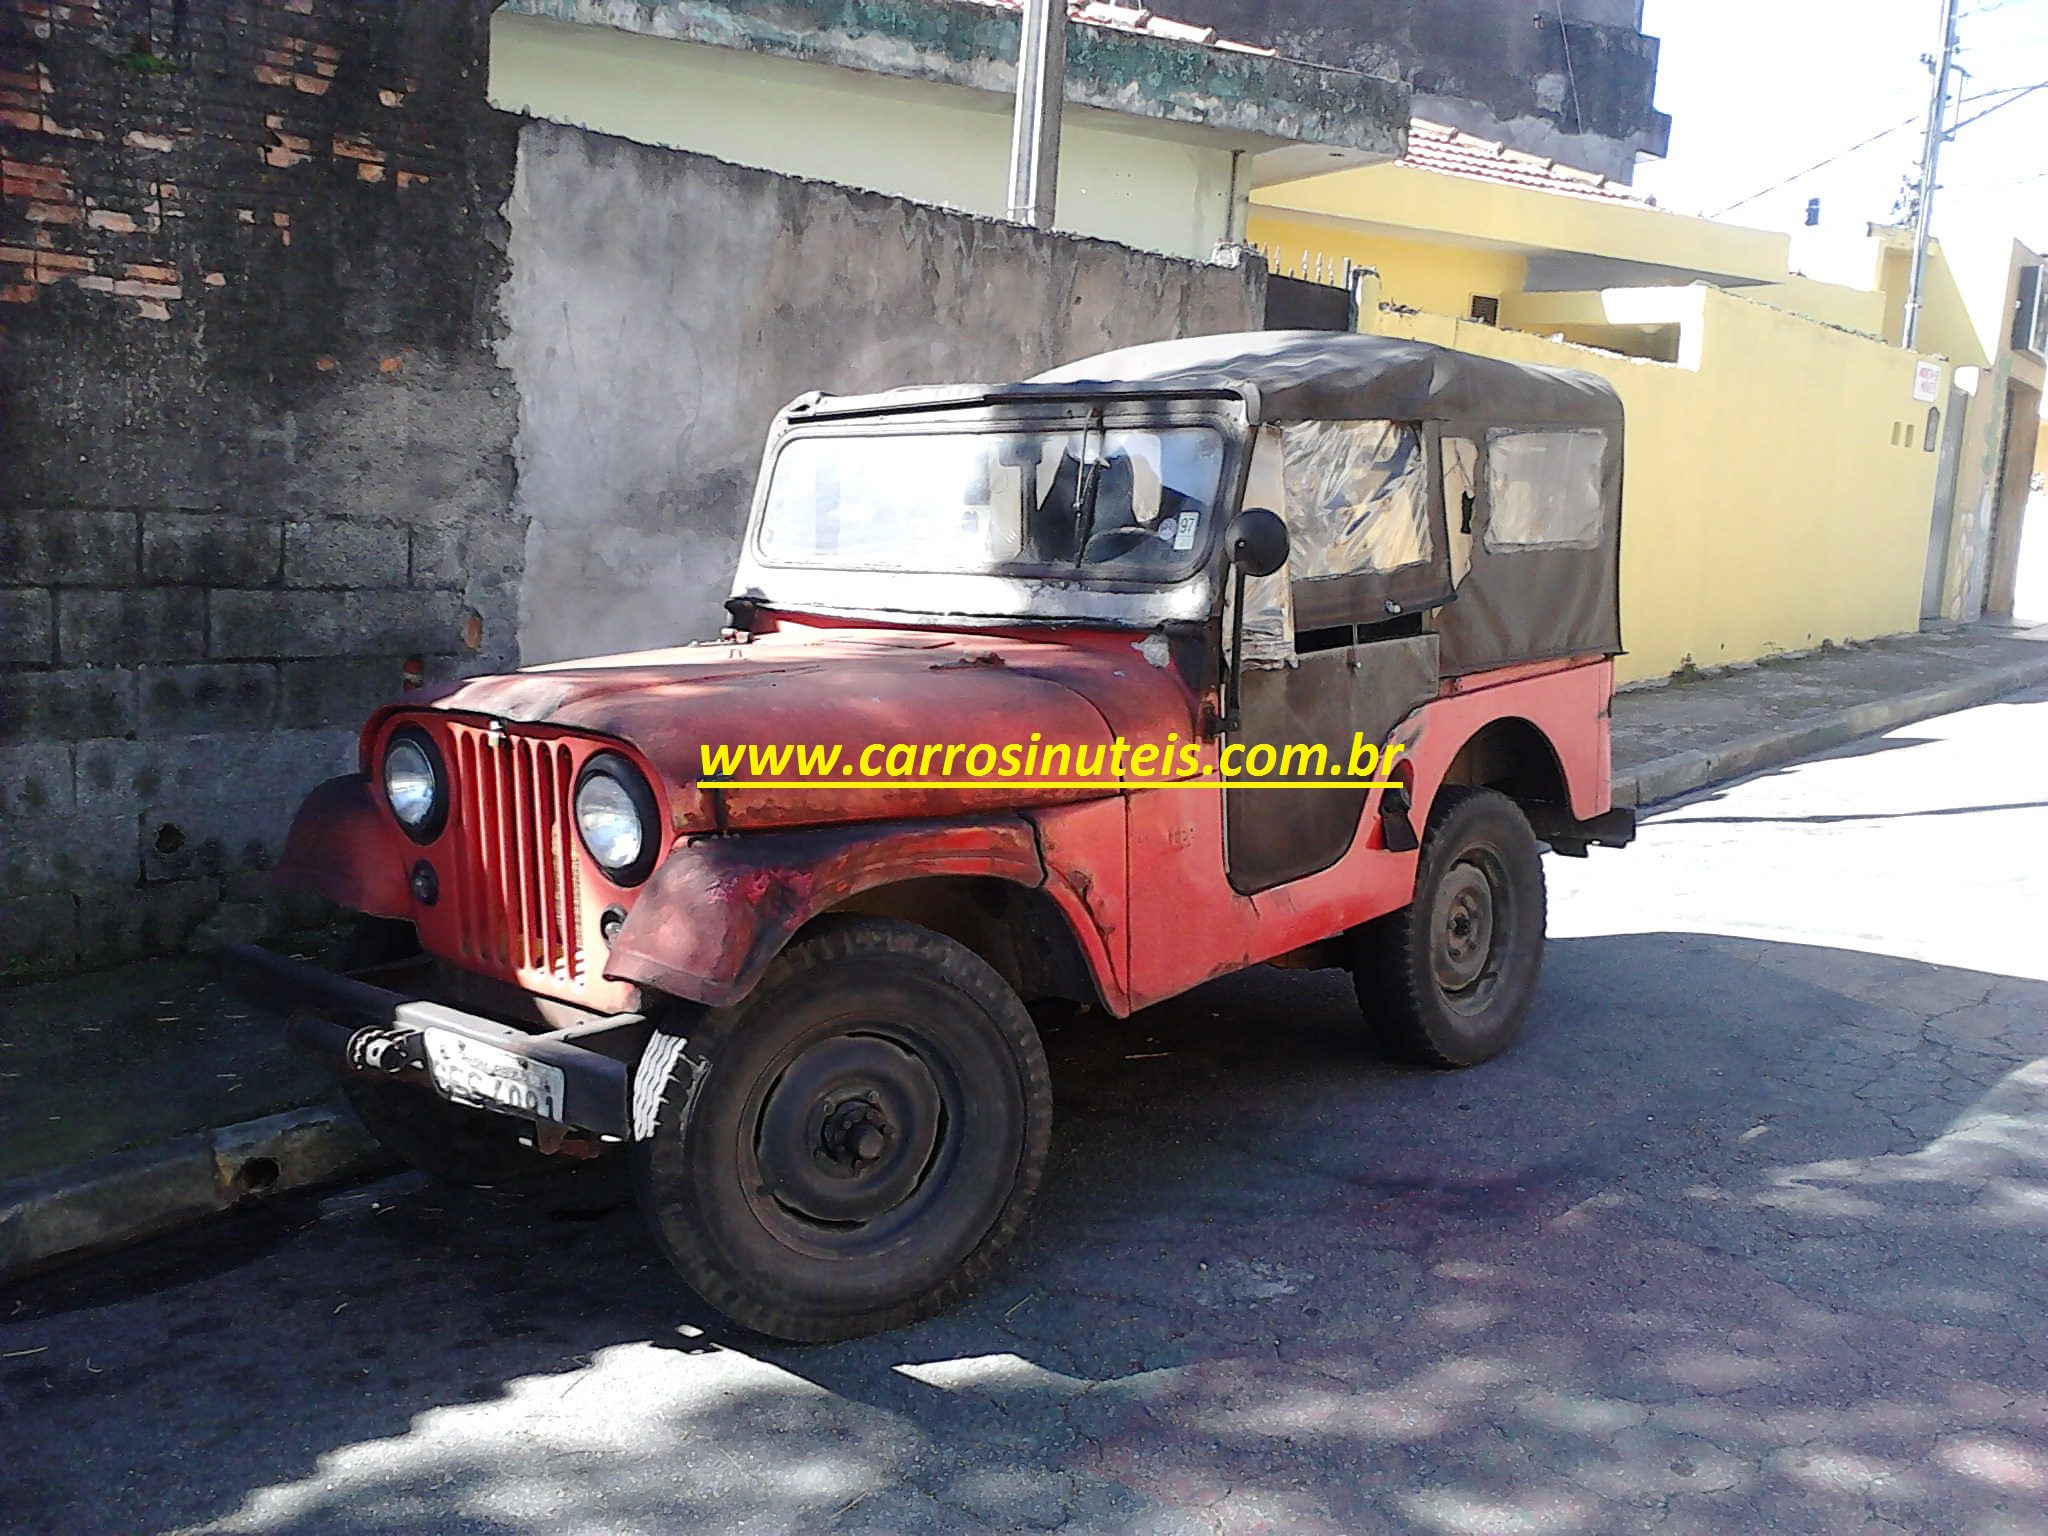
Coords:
pixel 852 1146
pixel 1448 979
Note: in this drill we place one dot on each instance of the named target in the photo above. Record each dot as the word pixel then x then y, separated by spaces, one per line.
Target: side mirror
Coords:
pixel 1258 541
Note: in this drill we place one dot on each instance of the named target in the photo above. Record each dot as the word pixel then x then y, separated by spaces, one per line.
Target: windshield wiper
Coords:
pixel 1084 488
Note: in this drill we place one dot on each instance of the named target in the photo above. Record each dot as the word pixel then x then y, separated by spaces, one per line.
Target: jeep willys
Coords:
pixel 749 911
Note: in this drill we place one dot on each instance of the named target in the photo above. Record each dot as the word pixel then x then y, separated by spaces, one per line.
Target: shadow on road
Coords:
pixel 1752 1242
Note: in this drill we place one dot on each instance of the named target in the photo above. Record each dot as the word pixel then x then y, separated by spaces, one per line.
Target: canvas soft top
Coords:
pixel 1336 376
pixel 1514 601
pixel 1284 376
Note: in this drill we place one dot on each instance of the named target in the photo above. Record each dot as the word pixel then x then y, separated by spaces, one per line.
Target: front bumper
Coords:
pixel 357 1026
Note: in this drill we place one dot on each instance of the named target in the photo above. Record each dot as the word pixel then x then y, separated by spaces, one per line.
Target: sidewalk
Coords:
pixel 138 1098
pixel 1679 736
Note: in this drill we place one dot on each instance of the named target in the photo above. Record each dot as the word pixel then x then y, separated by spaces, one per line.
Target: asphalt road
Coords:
pixel 1746 1236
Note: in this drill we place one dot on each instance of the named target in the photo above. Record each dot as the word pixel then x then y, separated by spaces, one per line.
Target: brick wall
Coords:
pixel 260 464
pixel 255 450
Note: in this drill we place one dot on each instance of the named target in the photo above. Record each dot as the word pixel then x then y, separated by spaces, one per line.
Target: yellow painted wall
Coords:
pixel 1766 508
pixel 1423 218
pixel 1420 274
pixel 1945 324
pixel 1434 205
pixel 1855 309
pixel 1158 191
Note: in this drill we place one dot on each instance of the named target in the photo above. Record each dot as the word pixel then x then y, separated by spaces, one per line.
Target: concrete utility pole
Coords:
pixel 1035 131
pixel 1943 64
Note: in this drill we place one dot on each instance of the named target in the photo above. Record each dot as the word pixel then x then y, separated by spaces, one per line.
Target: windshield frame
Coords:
pixel 1042 596
pixel 1101 419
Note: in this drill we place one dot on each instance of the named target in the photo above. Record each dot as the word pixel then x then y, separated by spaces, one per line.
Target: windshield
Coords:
pixel 1130 503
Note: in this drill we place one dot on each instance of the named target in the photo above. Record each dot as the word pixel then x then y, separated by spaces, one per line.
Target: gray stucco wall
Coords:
pixel 662 306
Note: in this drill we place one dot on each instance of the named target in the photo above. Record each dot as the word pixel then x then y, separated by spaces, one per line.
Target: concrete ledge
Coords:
pixel 70 1212
pixel 1665 777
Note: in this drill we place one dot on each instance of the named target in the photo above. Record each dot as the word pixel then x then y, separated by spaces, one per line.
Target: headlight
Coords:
pixel 415 786
pixel 615 813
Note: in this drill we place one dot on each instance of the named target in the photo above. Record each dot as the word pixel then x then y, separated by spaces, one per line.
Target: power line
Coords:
pixel 2013 91
pixel 2019 93
pixel 1968 191
pixel 1819 165
pixel 1564 36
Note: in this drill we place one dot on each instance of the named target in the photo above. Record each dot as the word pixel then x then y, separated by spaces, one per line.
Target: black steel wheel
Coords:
pixel 853 1145
pixel 1448 979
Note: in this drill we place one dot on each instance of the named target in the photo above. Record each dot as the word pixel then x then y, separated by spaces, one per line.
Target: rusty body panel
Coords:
pixel 848 688
pixel 719 909
pixel 524 902
pixel 1086 851
pixel 345 847
pixel 1177 841
pixel 518 898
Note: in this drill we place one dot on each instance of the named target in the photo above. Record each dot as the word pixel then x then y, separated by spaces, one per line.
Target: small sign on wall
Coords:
pixel 1927 382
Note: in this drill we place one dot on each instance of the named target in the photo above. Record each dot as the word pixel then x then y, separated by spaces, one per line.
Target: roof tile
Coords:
pixel 1135 18
pixel 1435 147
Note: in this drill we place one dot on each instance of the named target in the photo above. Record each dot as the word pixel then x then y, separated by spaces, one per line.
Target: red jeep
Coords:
pixel 797 1000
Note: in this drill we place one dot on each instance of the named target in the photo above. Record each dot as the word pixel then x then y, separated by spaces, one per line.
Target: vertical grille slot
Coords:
pixel 514 864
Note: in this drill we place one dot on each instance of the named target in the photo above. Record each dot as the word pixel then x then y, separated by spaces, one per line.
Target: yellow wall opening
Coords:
pixel 1766 508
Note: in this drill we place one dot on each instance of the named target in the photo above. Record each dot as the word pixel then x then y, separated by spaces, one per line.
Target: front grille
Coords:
pixel 515 859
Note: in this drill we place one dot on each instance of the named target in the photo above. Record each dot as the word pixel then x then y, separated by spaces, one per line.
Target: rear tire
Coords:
pixel 852 1146
pixel 1448 979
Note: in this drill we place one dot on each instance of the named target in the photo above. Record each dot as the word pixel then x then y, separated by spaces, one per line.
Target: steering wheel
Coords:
pixel 1115 543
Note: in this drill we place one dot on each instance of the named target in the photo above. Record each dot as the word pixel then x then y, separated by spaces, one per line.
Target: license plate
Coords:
pixel 471 1072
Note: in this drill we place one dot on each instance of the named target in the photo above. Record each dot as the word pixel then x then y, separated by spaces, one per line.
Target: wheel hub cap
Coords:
pixel 847 1133
pixel 1464 933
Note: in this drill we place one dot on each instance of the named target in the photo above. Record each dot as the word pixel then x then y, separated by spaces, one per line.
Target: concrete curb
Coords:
pixel 70 1212
pixel 1664 777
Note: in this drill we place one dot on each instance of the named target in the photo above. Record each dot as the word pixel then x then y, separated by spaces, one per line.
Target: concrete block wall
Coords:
pixel 255 457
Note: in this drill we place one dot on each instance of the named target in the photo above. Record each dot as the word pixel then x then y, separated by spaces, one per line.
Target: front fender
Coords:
pixel 719 909
pixel 341 847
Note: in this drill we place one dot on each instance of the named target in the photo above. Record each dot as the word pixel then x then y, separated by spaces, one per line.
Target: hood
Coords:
pixel 850 690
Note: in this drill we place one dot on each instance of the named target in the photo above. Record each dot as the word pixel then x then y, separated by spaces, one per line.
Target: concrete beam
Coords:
pixel 1242 92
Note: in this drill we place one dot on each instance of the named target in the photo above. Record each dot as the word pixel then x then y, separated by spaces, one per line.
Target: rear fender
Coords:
pixel 342 846
pixel 719 909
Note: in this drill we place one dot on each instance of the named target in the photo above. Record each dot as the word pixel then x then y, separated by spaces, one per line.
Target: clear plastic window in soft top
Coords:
pixel 1357 497
pixel 1130 503
pixel 1544 490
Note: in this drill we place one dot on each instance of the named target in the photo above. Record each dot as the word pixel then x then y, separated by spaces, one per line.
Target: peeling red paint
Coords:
pixel 719 909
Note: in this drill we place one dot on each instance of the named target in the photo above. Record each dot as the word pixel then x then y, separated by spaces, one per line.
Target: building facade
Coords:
pixel 1569 80
pixel 1167 125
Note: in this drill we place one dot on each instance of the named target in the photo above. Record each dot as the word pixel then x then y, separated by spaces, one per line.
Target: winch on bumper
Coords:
pixel 565 1080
